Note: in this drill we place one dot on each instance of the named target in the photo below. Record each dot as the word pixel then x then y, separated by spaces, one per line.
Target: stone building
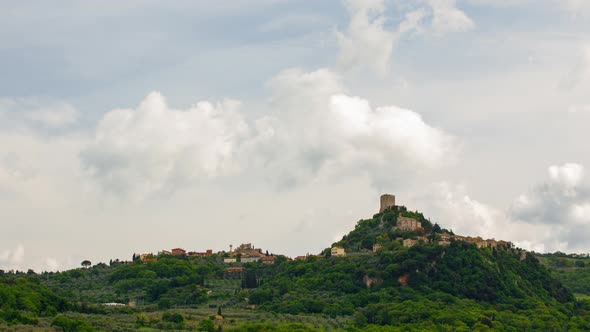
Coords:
pixel 247 249
pixel 268 259
pixel 233 273
pixel 387 201
pixel 408 224
pixel 178 251
pixel 423 239
pixel 410 243
pixel 377 247
pixel 338 252
pixel 250 258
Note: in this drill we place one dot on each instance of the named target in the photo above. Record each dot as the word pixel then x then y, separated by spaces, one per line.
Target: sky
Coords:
pixel 135 126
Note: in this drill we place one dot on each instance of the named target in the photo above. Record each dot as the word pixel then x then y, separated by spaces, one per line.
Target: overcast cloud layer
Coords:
pixel 125 128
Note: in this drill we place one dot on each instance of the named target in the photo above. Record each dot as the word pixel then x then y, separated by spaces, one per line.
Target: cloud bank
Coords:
pixel 553 215
pixel 314 125
pixel 154 148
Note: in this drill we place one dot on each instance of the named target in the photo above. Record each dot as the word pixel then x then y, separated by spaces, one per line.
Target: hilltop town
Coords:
pixel 411 230
pixel 394 264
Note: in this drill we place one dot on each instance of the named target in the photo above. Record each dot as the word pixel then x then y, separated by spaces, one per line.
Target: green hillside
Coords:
pixel 572 270
pixel 424 285
pixel 24 298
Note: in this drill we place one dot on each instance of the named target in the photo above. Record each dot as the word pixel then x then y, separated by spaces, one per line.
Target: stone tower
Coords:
pixel 387 201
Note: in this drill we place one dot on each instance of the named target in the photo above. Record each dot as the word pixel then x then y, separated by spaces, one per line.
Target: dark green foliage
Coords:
pixel 250 280
pixel 174 319
pixel 573 272
pixel 268 327
pixel 13 317
pixel 71 324
pixel 24 298
pixel 207 325
pixel 167 281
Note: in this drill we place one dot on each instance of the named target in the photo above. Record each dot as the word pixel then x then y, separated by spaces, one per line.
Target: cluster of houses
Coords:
pixel 247 253
pixel 408 224
pixel 444 239
pixel 146 258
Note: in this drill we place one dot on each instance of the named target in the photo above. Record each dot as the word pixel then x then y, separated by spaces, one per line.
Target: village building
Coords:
pixel 410 243
pixel 422 239
pixel 207 253
pixel 408 224
pixel 268 259
pixel 377 247
pixel 459 238
pixel 444 239
pixel 228 260
pixel 445 236
pixel 478 241
pixel 178 251
pixel 248 249
pixel 338 252
pixel 249 259
pixel 146 258
pixel 234 272
pixel 492 243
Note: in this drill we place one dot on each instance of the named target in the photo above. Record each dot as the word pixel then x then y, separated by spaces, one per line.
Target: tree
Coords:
pixel 207 325
pixel 71 324
pixel 173 317
pixel 86 263
pixel 250 279
pixel 219 311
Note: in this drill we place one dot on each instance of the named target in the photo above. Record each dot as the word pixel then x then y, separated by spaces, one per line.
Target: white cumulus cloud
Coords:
pixel 12 258
pixel 36 111
pixel 580 71
pixel 446 17
pixel 369 42
pixel 576 7
pixel 452 207
pixel 366 42
pixel 389 130
pixel 323 130
pixel 153 147
pixel 568 175
pixel 561 203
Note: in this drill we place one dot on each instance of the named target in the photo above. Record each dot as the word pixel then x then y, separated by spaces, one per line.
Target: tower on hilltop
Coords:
pixel 387 201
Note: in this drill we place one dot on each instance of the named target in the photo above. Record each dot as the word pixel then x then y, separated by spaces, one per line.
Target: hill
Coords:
pixel 424 286
pixel 396 270
pixel 571 270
